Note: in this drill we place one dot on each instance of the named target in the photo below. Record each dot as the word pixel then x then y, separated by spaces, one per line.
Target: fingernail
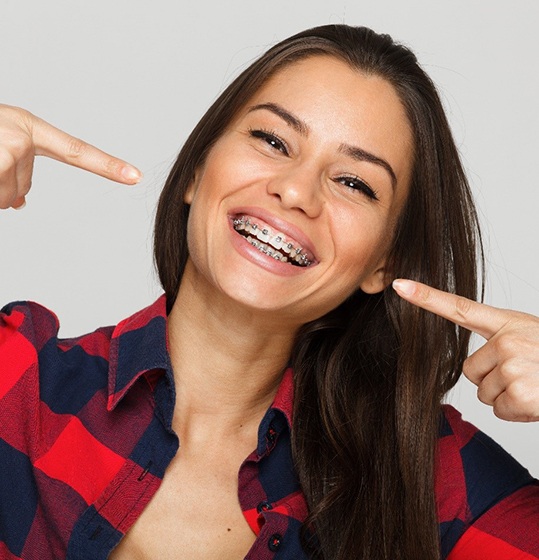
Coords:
pixel 131 174
pixel 404 287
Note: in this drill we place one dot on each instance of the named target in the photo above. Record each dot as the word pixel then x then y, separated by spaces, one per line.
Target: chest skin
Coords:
pixel 195 514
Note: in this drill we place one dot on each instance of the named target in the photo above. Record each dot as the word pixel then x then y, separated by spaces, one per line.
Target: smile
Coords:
pixel 272 243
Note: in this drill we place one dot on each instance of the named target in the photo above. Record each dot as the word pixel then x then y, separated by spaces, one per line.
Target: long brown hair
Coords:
pixel 371 374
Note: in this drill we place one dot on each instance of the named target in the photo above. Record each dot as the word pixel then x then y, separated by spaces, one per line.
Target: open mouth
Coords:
pixel 272 243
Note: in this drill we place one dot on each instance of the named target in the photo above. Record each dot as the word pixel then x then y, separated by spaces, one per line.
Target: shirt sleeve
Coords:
pixel 488 504
pixel 507 531
pixel 25 328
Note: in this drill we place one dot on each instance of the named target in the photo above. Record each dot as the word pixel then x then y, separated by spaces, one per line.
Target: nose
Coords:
pixel 298 188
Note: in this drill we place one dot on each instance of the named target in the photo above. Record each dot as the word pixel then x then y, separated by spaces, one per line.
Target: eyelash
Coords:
pixel 350 181
pixel 271 139
pixel 359 185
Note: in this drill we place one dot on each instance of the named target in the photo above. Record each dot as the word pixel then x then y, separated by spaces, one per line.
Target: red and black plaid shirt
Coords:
pixel 86 437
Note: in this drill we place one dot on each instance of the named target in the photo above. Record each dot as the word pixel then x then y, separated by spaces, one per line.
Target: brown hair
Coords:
pixel 370 375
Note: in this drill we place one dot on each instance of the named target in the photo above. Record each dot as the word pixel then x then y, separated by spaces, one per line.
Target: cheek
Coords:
pixel 365 249
pixel 198 230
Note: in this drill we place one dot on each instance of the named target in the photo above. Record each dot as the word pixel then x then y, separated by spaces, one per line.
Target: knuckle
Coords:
pixel 7 160
pixel 518 392
pixel 483 396
pixel 24 117
pixel 505 344
pixel 17 144
pixel 16 115
pixel 462 307
pixel 75 149
pixel 503 413
pixel 424 294
pixel 111 166
pixel 15 130
pixel 510 370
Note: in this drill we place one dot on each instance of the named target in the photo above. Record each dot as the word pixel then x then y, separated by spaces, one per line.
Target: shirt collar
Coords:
pixel 284 398
pixel 139 345
pixel 278 417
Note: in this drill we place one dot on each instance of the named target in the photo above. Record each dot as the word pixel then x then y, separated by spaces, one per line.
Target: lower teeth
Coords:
pixel 274 253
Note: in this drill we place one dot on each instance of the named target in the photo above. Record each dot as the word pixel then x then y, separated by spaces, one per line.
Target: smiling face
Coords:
pixel 296 204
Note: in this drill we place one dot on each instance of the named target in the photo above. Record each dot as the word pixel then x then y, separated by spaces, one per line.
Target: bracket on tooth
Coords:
pixel 295 254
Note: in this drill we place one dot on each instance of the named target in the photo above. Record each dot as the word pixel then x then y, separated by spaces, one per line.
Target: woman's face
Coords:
pixel 313 171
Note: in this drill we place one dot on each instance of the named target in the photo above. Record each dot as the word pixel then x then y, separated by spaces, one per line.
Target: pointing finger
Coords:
pixel 477 317
pixel 54 143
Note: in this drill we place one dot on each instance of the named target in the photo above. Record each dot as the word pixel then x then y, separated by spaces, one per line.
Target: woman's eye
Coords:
pixel 357 184
pixel 270 138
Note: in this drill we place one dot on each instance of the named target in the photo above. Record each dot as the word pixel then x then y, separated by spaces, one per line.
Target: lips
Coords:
pixel 280 240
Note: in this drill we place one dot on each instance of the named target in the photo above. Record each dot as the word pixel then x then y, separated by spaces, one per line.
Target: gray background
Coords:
pixel 133 77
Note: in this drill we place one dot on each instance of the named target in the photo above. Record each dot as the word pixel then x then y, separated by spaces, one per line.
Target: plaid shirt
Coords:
pixel 86 437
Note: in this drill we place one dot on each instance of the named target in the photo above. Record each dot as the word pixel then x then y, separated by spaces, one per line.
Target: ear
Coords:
pixel 376 282
pixel 193 187
pixel 190 192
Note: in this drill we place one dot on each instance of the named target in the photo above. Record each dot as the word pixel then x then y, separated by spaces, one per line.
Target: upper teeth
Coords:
pixel 276 240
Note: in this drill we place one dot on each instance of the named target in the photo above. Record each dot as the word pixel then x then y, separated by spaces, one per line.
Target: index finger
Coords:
pixel 480 318
pixel 54 143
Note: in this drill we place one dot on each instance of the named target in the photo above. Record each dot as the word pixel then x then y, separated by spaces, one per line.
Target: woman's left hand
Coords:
pixel 506 368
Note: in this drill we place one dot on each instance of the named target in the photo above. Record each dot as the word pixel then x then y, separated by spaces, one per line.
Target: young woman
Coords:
pixel 280 400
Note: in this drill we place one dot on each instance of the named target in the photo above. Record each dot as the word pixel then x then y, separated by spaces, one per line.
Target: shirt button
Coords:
pixel 275 542
pixel 263 506
pixel 271 434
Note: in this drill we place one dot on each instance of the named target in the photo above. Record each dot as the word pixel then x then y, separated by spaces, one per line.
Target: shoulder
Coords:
pixel 470 459
pixel 22 321
pixel 25 328
pixel 473 474
pixel 477 453
pixel 34 359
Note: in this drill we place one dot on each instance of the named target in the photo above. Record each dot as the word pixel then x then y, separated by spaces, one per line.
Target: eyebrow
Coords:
pixel 361 155
pixel 297 124
pixel 301 127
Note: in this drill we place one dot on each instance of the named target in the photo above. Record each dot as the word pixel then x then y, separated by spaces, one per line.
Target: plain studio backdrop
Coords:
pixel 133 77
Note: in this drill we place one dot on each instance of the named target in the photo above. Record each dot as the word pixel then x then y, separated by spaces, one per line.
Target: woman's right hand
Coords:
pixel 23 136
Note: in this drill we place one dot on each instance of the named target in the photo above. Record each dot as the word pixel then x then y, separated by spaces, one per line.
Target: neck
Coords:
pixel 228 361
